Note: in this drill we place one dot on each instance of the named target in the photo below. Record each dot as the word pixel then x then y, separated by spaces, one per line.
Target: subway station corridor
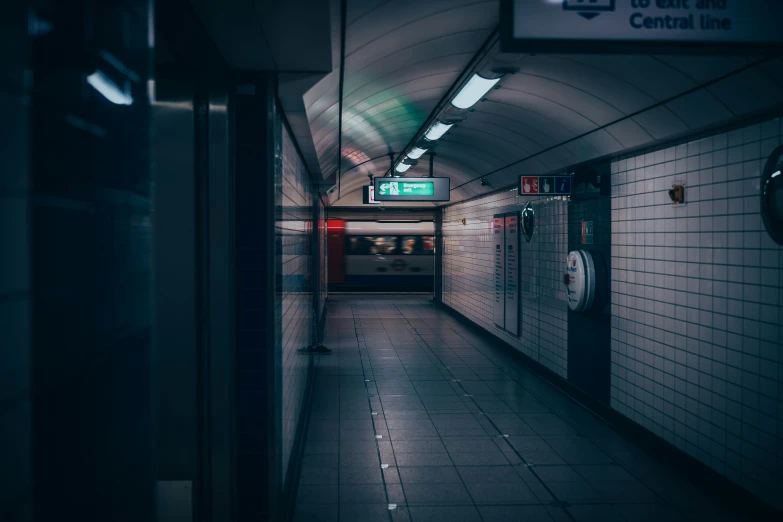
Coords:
pixel 391 260
pixel 417 417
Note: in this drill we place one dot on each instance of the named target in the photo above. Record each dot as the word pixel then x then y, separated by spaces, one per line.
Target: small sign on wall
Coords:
pixel 545 185
pixel 587 232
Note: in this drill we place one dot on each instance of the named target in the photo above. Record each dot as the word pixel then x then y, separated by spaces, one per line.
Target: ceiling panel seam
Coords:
pixel 619 79
pixel 571 86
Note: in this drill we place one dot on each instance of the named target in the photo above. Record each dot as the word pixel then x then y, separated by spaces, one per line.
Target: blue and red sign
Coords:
pixel 545 185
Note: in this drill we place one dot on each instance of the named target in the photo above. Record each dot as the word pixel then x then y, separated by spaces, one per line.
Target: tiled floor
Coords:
pixel 417 418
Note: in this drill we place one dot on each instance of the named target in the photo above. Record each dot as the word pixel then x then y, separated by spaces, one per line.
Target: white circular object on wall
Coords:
pixel 580 280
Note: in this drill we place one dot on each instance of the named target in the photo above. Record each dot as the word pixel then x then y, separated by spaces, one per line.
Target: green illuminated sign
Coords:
pixel 406 188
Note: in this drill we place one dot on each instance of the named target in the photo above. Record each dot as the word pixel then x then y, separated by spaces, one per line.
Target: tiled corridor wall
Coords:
pixel 295 236
pixel 697 305
pixel 468 273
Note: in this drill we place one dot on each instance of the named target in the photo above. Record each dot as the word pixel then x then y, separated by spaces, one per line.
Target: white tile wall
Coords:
pixel 697 305
pixel 468 273
pixel 294 229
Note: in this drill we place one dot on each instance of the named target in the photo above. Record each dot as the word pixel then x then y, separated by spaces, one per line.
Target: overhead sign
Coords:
pixel 368 195
pixel 412 189
pixel 545 185
pixel 641 26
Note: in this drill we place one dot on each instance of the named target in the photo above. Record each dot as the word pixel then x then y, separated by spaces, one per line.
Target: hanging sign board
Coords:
pixel 499 238
pixel 368 195
pixel 512 272
pixel 412 189
pixel 642 26
pixel 545 185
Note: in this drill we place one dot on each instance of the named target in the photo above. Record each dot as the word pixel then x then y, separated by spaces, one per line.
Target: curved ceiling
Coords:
pixel 402 57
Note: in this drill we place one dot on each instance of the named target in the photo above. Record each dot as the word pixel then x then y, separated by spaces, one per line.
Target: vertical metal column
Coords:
pixel 437 296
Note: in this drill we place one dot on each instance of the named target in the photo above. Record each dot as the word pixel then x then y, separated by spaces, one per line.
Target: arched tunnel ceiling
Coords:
pixel 402 57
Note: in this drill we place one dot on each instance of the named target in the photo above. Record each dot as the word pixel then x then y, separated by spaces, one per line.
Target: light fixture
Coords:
pixel 416 152
pixel 775 175
pixel 402 167
pixel 437 130
pixel 101 83
pixel 473 91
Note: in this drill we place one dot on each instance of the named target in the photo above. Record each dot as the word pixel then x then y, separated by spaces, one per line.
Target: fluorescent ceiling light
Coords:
pixel 101 83
pixel 437 130
pixel 402 167
pixel 473 91
pixel 775 175
pixel 416 152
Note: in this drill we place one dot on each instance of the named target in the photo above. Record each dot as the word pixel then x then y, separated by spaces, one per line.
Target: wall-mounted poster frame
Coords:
pixel 499 259
pixel 512 272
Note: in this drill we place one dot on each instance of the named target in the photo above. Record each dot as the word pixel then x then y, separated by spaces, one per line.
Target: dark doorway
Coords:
pixel 589 333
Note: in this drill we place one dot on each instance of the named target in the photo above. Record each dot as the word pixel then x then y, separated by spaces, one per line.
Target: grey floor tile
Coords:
pixel 491 474
pixel 378 512
pixel 391 475
pixel 316 494
pixel 469 444
pixel 444 514
pixel 316 513
pixel 422 459
pixel 541 458
pixel 483 458
pixel 594 513
pixel 574 492
pixel 514 513
pixel 429 475
pixel 365 459
pixel 395 494
pixel 501 493
pixel 603 472
pixel 362 494
pixel 649 513
pixel 320 461
pixel 557 474
pixel 433 445
pixel 624 491
pixel 360 475
pixel 318 475
pixel 436 494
